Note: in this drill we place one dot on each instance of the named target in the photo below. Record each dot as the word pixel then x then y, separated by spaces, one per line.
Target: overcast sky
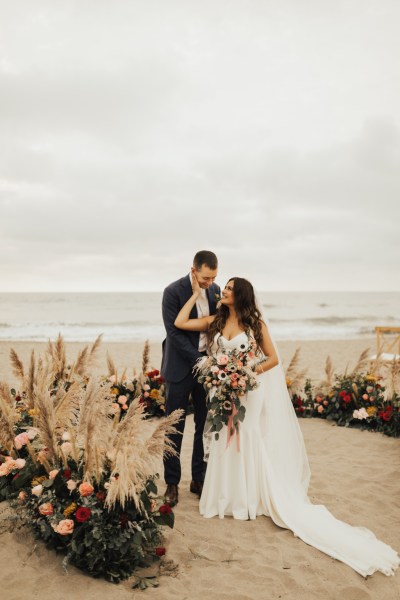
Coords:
pixel 133 134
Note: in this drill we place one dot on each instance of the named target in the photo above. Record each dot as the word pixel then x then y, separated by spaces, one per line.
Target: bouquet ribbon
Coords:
pixel 231 426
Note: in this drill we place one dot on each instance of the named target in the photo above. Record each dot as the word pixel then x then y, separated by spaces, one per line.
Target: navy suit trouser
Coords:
pixel 178 397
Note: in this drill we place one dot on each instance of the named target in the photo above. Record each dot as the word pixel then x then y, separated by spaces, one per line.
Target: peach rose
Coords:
pixel 53 473
pixel 223 359
pixel 320 409
pixel 64 527
pixel 146 387
pixel 122 399
pixel 22 496
pixel 46 509
pixel 71 485
pixel 20 463
pixel 37 490
pixel 365 397
pixel 124 407
pixel 21 440
pixel 85 489
pixel 4 470
pixel 66 447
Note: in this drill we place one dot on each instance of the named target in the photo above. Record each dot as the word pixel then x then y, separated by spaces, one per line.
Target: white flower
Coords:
pixel 66 436
pixel 222 375
pixel 37 490
pixel 20 463
pixel 360 414
pixel 32 433
pixel 71 485
pixel 243 347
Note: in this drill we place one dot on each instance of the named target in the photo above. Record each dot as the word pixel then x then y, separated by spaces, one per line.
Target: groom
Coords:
pixel 181 349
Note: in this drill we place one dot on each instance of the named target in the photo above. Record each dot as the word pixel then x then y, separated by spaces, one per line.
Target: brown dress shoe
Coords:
pixel 171 493
pixel 196 487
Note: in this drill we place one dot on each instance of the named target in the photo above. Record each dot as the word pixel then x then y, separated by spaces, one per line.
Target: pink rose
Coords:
pixel 71 485
pixel 37 490
pixel 64 527
pixel 46 509
pixel 115 407
pixel 53 473
pixel 318 398
pixel 146 394
pixel 21 440
pixel 122 400
pixel 365 397
pixel 223 359
pixel 85 489
pixel 320 409
pixel 325 403
pixel 22 496
pixel 146 387
pixel 20 463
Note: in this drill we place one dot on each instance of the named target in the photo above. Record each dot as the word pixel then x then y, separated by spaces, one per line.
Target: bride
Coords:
pixel 270 474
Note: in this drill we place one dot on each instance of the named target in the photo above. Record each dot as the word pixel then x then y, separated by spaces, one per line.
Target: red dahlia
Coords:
pixel 82 514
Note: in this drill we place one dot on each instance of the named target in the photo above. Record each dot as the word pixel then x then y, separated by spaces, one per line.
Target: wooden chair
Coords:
pixel 387 343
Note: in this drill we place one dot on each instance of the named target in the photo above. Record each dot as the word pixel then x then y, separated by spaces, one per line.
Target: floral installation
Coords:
pixel 227 377
pixel 148 387
pixel 361 398
pixel 82 479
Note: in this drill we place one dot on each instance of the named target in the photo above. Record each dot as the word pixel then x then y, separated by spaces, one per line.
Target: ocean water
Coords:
pixel 137 316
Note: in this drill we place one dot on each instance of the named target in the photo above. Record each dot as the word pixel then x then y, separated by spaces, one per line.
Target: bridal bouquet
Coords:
pixel 227 377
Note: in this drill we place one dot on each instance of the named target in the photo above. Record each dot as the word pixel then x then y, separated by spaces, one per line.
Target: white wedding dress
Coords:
pixel 270 476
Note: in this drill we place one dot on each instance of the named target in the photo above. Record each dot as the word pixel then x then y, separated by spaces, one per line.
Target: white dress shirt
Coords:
pixel 203 310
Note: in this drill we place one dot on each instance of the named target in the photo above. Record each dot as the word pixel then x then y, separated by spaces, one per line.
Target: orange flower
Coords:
pixel 85 489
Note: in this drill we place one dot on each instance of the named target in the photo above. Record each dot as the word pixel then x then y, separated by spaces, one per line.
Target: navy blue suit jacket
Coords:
pixel 180 348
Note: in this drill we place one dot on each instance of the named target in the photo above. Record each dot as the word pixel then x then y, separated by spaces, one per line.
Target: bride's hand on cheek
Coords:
pixel 195 285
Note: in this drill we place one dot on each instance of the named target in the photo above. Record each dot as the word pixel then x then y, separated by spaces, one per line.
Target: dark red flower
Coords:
pixel 141 400
pixel 17 398
pixel 16 476
pixel 387 416
pixel 123 520
pixel 342 393
pixel 299 402
pixel 156 372
pixel 160 551
pixel 165 509
pixel 101 496
pixel 161 379
pixel 148 403
pixel 67 473
pixel 82 514
pixel 300 409
pixel 347 398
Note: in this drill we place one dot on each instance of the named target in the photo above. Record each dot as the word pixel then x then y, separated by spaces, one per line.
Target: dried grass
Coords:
pixel 8 418
pixel 146 356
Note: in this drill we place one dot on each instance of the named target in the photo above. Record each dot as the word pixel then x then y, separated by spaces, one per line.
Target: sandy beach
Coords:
pixel 355 474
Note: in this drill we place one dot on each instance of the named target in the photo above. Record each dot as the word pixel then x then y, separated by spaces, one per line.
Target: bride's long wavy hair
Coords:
pixel 246 309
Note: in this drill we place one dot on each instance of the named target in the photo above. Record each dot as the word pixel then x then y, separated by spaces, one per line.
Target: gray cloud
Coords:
pixel 134 134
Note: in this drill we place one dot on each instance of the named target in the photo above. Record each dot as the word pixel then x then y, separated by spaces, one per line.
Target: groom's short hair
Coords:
pixel 205 257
